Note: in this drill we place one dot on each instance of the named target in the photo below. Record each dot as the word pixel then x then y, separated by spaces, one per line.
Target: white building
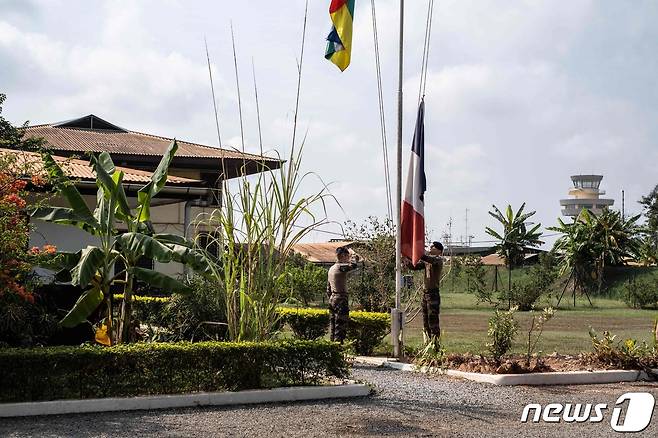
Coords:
pixel 193 186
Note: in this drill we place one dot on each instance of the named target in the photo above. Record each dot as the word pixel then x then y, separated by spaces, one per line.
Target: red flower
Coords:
pixel 38 180
pixel 19 185
pixel 16 200
pixel 49 249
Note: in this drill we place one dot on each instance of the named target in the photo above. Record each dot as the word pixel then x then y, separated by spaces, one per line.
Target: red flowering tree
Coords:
pixel 17 301
pixel 16 258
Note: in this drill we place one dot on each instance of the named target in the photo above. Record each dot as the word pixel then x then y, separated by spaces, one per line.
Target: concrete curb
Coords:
pixel 301 393
pixel 554 378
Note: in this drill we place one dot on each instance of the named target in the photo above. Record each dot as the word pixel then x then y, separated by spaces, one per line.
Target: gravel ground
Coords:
pixel 404 404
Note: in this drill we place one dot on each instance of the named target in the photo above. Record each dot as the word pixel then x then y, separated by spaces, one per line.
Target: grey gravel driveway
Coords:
pixel 404 404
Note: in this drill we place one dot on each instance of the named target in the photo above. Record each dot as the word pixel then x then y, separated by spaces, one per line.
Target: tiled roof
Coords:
pixel 324 252
pixel 79 169
pixel 64 138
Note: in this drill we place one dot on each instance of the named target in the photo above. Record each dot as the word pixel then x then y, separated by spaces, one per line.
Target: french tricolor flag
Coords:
pixel 412 223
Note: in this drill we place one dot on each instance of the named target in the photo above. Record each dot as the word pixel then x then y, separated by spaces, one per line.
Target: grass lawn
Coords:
pixel 464 325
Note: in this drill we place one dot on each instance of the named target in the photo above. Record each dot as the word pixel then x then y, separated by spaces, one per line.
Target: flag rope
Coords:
pixel 382 119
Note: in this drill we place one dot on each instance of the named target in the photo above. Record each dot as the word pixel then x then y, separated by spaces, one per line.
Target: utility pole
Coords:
pixel 450 233
pixel 466 234
pixel 623 206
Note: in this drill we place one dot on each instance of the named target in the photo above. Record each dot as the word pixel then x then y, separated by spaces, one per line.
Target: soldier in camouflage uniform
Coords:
pixel 337 293
pixel 431 302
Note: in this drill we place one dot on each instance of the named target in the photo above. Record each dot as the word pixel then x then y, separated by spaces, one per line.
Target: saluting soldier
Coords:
pixel 337 292
pixel 432 262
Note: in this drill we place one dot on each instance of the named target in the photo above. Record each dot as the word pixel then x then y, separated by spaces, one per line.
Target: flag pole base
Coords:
pixel 397 331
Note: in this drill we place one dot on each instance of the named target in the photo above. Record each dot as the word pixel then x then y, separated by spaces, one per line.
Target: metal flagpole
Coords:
pixel 397 316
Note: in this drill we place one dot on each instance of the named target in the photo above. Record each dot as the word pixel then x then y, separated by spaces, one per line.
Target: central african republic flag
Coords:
pixel 339 40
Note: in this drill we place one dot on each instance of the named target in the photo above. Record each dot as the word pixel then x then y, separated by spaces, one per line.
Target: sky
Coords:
pixel 520 94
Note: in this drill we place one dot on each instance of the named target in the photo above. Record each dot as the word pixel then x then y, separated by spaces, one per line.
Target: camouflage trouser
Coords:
pixel 338 317
pixel 431 305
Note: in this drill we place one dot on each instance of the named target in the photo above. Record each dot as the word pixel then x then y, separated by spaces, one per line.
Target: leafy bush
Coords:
pixel 627 355
pixel 524 296
pixel 306 323
pixel 502 329
pixel 367 330
pixel 433 355
pixel 641 294
pixel 199 315
pixel 148 310
pixel 537 328
pixel 306 282
pixel 140 369
pixel 373 287
pixel 542 276
pixel 476 273
pixel 24 323
pixel 23 320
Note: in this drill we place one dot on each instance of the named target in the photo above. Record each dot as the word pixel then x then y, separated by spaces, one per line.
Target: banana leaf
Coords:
pixel 92 259
pixel 158 180
pixel 86 304
pixel 159 280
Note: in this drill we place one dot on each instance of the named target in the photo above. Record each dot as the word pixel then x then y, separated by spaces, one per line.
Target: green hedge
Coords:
pixel 51 373
pixel 366 330
pixel 306 323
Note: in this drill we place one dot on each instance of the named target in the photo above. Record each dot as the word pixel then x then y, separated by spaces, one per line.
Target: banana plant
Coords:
pixel 92 268
pixel 515 239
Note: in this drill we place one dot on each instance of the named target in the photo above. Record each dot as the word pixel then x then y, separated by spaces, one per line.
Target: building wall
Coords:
pixel 166 219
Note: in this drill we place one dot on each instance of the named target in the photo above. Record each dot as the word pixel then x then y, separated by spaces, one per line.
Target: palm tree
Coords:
pixel 515 239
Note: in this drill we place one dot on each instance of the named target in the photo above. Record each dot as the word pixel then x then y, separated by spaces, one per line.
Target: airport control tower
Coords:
pixel 585 193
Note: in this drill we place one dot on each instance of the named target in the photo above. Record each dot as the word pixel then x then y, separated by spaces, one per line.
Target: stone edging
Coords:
pixel 553 378
pixel 289 394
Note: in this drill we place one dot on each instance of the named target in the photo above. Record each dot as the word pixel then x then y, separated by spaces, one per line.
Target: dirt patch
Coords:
pixel 517 364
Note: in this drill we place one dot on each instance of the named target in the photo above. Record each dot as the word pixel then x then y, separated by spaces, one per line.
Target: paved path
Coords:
pixel 405 404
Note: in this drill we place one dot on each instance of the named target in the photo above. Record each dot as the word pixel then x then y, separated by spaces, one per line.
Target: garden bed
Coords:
pixel 517 364
pixel 565 370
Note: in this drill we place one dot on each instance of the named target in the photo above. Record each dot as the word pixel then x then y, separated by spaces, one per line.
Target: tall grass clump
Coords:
pixel 255 230
pixel 261 218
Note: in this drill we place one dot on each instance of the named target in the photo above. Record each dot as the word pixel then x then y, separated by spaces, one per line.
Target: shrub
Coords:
pixel 148 310
pixel 199 315
pixel 163 368
pixel 537 328
pixel 432 355
pixel 23 320
pixel 542 275
pixel 373 286
pixel 306 323
pixel 524 296
pixel 24 323
pixel 367 330
pixel 502 329
pixel 476 278
pixel 628 354
pixel 306 282
pixel 641 294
